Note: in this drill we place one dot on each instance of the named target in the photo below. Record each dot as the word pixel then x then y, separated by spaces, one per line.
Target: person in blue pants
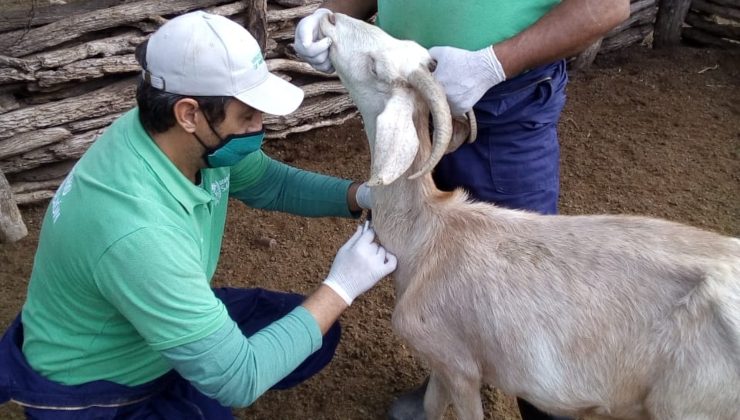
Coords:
pixel 505 60
pixel 120 320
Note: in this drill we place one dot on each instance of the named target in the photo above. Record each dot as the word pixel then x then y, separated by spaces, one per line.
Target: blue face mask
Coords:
pixel 231 149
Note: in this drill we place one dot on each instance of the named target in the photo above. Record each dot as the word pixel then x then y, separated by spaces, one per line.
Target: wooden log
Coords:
pixel 320 88
pixel 324 122
pixel 255 17
pixel 641 13
pixel 294 3
pixel 290 14
pixel 72 148
pixel 716 9
pixel 92 68
pixel 16 63
pixel 42 95
pixel 22 42
pixel 43 173
pixel 89 124
pixel 729 3
pixel 284 65
pixel 710 26
pixel 34 197
pixel 584 59
pixel 283 34
pixel 319 107
pixel 12 228
pixel 626 38
pixel 671 14
pixel 31 140
pixel 230 9
pixel 28 14
pixel 26 187
pixel 701 37
pixel 107 100
pixel 103 47
pixel 8 103
pixel 8 75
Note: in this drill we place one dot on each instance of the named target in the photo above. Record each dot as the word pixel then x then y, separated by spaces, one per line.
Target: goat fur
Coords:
pixel 612 316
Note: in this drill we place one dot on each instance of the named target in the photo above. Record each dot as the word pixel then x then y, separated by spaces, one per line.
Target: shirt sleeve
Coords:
pixel 264 183
pixel 154 277
pixel 236 370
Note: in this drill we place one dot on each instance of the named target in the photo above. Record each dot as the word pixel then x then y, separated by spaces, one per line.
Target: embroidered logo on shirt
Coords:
pixel 219 187
pixel 65 188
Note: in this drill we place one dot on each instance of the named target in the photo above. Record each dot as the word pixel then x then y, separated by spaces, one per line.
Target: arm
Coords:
pixel 566 30
pixel 264 183
pixel 236 370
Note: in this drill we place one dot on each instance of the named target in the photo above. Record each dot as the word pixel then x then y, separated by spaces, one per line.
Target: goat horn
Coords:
pixel 435 97
pixel 473 126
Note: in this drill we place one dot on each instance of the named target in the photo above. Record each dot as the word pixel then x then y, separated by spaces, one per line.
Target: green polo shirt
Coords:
pixel 468 24
pixel 127 250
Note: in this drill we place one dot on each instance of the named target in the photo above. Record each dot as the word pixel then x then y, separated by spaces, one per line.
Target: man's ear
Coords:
pixel 186 113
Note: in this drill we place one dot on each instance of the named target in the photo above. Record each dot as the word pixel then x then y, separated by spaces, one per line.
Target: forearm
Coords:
pixel 360 9
pixel 280 187
pixel 236 370
pixel 325 306
pixel 569 28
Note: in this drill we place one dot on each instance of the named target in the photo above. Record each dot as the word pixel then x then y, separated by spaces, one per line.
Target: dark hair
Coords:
pixel 156 106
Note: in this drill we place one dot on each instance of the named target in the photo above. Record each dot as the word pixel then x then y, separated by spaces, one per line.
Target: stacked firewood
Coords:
pixel 713 23
pixel 67 70
pixel 63 82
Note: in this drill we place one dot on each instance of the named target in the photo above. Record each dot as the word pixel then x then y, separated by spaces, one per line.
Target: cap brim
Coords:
pixel 273 96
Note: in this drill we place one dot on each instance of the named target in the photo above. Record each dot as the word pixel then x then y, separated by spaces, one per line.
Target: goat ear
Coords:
pixel 396 142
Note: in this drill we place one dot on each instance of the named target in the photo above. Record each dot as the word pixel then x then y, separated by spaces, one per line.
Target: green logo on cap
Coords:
pixel 257 60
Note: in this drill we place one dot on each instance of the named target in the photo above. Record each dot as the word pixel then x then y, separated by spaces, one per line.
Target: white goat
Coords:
pixel 615 316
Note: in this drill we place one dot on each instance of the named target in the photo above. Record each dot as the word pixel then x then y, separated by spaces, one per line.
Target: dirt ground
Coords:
pixel 643 132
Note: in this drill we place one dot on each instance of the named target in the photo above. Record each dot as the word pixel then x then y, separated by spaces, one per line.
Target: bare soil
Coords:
pixel 644 132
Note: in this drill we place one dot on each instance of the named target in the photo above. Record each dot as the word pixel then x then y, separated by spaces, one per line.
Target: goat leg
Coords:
pixel 436 398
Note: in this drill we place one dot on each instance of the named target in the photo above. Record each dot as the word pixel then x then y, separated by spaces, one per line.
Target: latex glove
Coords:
pixel 307 44
pixel 364 196
pixel 359 264
pixel 466 75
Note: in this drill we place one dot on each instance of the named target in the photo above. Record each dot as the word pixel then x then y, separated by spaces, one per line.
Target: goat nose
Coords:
pixel 432 65
pixel 332 19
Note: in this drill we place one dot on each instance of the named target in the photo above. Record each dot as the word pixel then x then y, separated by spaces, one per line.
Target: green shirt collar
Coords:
pixel 185 192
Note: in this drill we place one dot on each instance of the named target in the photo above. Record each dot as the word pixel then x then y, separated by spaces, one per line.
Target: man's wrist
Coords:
pixel 352 204
pixel 325 305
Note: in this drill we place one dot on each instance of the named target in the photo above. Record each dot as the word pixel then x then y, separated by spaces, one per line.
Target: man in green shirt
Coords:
pixel 505 60
pixel 120 320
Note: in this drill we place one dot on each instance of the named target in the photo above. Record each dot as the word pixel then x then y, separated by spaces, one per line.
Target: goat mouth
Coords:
pixel 327 26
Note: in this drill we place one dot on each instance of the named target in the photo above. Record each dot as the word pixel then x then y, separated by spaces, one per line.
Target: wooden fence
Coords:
pixel 67 70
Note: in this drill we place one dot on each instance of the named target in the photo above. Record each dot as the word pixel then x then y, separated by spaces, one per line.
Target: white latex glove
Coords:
pixel 307 44
pixel 359 264
pixel 466 75
pixel 364 196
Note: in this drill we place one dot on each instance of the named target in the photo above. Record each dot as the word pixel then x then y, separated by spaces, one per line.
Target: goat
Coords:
pixel 614 316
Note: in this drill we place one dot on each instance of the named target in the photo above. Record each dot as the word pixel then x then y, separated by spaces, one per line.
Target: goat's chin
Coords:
pixel 378 180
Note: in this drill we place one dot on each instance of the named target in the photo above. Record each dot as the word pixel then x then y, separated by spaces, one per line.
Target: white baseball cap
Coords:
pixel 201 54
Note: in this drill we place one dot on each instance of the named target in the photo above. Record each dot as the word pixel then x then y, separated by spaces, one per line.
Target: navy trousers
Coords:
pixel 515 162
pixel 167 397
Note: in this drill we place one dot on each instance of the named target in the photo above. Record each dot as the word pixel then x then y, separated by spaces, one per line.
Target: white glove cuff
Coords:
pixel 339 290
pixel 496 70
pixel 364 196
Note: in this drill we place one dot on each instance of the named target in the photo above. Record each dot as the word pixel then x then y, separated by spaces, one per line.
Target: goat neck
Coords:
pixel 409 213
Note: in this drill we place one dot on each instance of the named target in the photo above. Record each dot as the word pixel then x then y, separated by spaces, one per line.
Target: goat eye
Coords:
pixel 432 65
